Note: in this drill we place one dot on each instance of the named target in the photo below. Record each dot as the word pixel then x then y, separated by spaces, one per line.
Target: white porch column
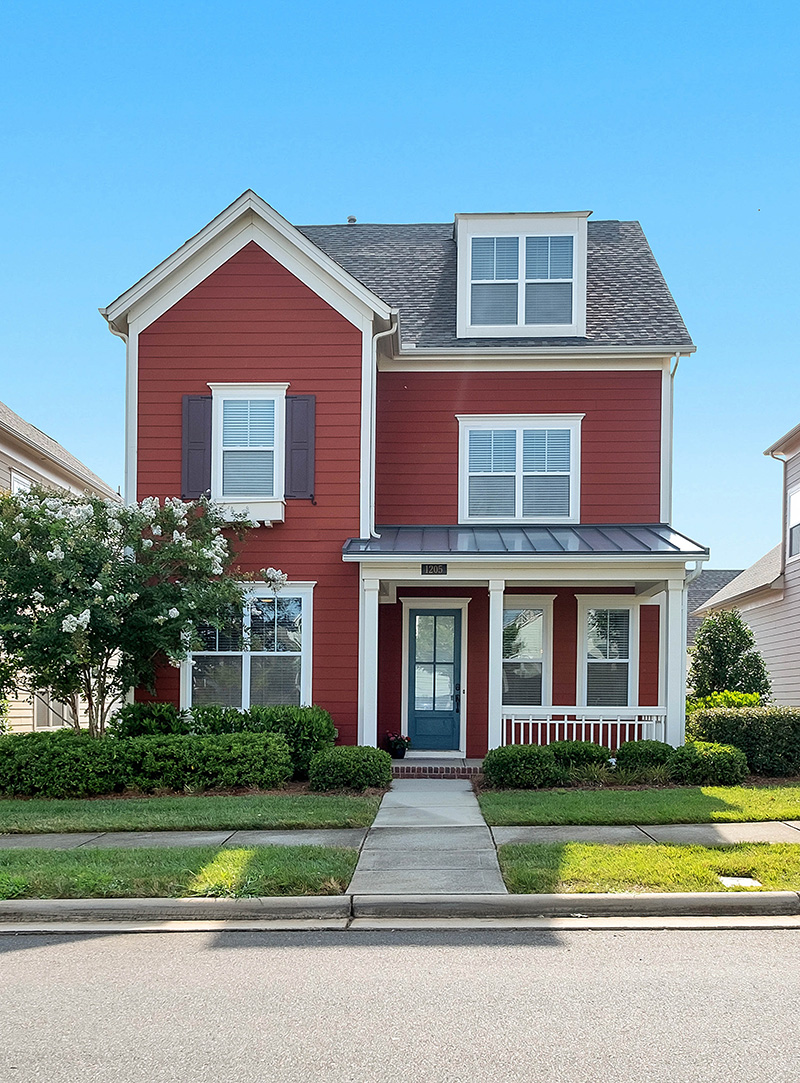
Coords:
pixel 368 663
pixel 675 643
pixel 496 589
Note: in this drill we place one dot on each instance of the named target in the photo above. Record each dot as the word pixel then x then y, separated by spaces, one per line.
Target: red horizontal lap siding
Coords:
pixel 417 437
pixel 649 631
pixel 253 321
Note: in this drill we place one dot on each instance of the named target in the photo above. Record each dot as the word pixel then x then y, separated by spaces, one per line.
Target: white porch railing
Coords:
pixel 608 726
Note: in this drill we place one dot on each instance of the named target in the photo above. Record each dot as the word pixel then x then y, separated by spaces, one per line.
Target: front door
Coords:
pixel 434 679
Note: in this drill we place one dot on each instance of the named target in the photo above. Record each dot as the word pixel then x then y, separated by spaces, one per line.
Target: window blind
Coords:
pixel 248 447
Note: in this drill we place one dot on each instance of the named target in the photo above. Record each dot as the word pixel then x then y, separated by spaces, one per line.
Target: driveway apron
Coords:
pixel 429 838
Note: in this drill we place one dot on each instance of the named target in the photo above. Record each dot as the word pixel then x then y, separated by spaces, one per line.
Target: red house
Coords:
pixel 458 439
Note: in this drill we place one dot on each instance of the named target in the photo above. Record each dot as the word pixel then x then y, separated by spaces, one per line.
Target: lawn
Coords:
pixel 593 867
pixel 279 811
pixel 681 805
pixel 175 873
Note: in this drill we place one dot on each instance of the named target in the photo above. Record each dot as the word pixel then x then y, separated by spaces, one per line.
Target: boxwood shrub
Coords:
pixel 704 763
pixel 350 767
pixel 768 736
pixel 148 719
pixel 569 754
pixel 68 764
pixel 637 755
pixel 522 767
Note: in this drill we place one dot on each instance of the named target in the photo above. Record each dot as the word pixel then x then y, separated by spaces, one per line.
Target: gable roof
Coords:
pixel 708 583
pixel 413 268
pixel 48 448
pixel 763 573
pixel 787 444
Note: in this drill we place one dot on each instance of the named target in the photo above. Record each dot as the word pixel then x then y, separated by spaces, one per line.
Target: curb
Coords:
pixel 285 908
pixel 699 904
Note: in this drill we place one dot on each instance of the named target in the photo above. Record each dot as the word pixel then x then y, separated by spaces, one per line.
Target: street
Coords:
pixel 419 1006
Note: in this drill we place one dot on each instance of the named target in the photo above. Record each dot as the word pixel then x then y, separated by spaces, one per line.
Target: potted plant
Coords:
pixel 397 744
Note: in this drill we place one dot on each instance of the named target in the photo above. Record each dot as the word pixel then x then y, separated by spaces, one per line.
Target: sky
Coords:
pixel 126 127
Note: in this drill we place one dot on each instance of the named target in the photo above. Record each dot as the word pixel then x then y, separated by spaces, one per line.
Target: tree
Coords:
pixel 725 658
pixel 95 595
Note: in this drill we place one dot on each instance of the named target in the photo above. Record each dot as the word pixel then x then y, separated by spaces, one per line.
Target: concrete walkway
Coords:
pixel 719 834
pixel 350 838
pixel 429 838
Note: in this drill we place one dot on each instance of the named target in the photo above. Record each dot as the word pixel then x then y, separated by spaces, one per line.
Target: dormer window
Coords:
pixel 521 275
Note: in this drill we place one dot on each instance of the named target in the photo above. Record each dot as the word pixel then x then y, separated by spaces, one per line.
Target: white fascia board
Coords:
pixel 32 456
pixel 269 229
pixel 524 214
pixel 419 361
pixel 524 353
pixel 554 570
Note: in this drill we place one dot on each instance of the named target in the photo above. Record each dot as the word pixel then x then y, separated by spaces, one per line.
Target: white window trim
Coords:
pixel 20 483
pixel 609 601
pixel 545 603
pixel 269 510
pixel 304 591
pixel 789 494
pixel 470 422
pixel 521 226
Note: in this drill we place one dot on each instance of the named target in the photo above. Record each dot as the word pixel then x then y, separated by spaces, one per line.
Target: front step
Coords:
pixel 436 768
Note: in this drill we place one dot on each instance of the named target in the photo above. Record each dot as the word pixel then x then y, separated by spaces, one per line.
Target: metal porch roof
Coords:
pixel 580 540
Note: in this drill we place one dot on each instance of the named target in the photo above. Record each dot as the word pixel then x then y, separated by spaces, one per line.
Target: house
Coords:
pixel 27 457
pixel 767 594
pixel 700 589
pixel 457 440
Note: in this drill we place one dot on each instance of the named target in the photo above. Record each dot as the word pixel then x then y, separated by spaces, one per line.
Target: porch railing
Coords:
pixel 608 726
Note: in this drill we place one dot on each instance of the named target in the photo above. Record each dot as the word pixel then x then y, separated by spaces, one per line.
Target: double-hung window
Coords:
pixel 522 281
pixel 526 650
pixel 520 469
pixel 608 657
pixel 794 524
pixel 248 455
pixel 262 656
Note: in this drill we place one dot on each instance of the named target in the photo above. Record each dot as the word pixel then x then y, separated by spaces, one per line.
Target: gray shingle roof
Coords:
pixel 413 268
pixel 705 586
pixel 761 574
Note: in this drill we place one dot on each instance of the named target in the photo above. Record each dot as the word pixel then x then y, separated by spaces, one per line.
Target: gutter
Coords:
pixel 392 329
pixel 539 351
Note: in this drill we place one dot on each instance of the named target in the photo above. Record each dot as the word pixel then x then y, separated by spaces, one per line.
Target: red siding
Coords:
pixel 251 320
pixel 649 616
pixel 417 442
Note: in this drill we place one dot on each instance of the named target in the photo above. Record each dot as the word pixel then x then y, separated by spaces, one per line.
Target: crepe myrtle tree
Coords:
pixel 95 595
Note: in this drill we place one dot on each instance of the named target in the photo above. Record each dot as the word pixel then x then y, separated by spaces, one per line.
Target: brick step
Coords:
pixel 435 769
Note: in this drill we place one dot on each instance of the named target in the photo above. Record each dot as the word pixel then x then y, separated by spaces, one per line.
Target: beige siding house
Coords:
pixel 768 593
pixel 30 457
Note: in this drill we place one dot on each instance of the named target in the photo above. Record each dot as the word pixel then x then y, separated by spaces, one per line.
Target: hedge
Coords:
pixel 350 767
pixel 722 699
pixel 522 767
pixel 637 755
pixel 68 764
pixel 569 754
pixel 308 730
pixel 768 736
pixel 703 763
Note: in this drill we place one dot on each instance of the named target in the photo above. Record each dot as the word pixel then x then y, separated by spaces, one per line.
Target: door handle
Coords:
pixel 458 698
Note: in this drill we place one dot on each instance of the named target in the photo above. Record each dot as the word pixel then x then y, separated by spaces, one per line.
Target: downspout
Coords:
pixel 129 497
pixel 781 458
pixel 672 373
pixel 373 408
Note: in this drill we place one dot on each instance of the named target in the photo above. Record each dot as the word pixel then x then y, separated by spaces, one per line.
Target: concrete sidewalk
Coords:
pixel 719 834
pixel 349 838
pixel 429 838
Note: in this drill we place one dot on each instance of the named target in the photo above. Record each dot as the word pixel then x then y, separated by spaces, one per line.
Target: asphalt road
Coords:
pixel 599 1007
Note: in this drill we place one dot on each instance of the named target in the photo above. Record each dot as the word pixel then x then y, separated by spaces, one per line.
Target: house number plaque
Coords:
pixel 433 569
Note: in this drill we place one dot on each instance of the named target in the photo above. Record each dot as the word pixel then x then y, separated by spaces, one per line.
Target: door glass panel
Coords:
pixel 423 687
pixel 443 698
pixel 445 639
pixel 425 631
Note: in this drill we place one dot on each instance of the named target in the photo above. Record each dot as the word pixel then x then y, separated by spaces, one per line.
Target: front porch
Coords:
pixel 483 649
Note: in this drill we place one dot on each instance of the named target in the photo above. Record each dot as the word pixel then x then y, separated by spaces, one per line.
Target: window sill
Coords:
pixel 515 330
pixel 262 511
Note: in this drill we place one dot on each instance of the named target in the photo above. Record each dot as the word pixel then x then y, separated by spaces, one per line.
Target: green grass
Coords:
pixel 682 805
pixel 175 873
pixel 586 867
pixel 279 811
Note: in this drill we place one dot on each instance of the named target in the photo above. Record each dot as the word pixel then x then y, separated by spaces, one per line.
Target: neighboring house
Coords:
pixel 705 586
pixel 27 457
pixel 768 593
pixel 458 440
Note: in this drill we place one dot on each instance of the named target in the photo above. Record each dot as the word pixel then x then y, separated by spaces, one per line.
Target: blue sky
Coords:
pixel 126 127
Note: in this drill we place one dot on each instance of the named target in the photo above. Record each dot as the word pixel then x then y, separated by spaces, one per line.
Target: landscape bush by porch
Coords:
pixel 350 767
pixel 68 764
pixel 523 767
pixel 639 754
pixel 723 699
pixel 703 763
pixel 148 720
pixel 569 754
pixel 768 736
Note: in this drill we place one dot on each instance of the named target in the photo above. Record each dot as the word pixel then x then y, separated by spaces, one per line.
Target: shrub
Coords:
pixel 307 729
pixel 640 754
pixel 769 736
pixel 700 763
pixel 658 775
pixel 592 774
pixel 350 767
pixel 68 764
pixel 578 753
pixel 522 767
pixel 722 699
pixel 147 719
pixel 724 656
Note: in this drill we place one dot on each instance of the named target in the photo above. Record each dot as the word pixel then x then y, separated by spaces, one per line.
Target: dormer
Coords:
pixel 521 275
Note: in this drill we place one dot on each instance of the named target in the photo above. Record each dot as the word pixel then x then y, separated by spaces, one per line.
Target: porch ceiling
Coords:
pixel 580 540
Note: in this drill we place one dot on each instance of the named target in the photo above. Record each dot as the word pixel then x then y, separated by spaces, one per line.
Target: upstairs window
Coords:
pixel 520 469
pixel 794 524
pixel 522 280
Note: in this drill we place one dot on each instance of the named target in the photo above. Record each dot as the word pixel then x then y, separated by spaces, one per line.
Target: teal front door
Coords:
pixel 434 679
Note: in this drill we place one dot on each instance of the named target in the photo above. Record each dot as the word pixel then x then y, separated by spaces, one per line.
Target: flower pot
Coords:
pixel 397 752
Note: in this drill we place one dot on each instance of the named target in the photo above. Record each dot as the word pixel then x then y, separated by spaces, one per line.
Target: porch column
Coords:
pixel 368 663
pixel 496 589
pixel 675 645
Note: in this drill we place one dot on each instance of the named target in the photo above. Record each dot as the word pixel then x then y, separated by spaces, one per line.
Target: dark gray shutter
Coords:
pixel 300 422
pixel 196 446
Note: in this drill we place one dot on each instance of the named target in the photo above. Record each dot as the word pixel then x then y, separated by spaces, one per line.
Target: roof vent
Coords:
pixel 351 219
